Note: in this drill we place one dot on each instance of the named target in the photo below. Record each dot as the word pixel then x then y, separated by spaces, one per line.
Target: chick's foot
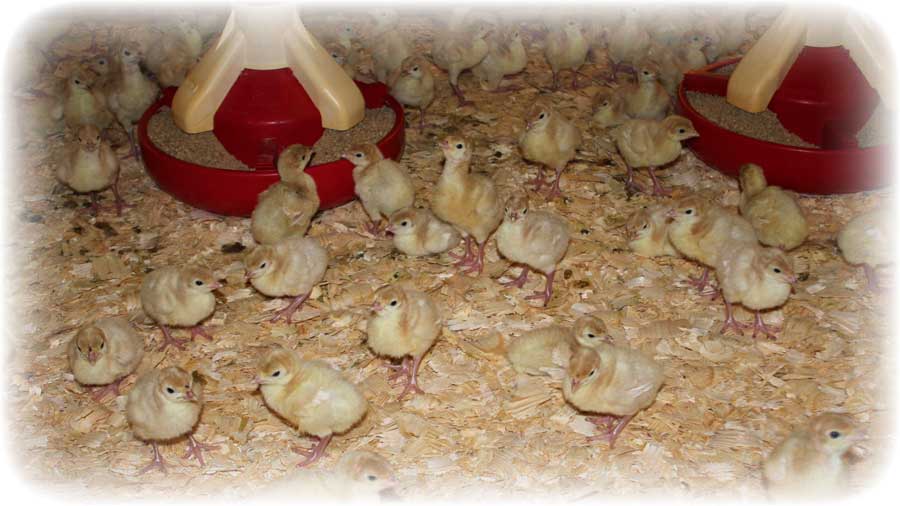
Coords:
pixel 157 463
pixel 195 449
pixel 169 340
pixel 314 454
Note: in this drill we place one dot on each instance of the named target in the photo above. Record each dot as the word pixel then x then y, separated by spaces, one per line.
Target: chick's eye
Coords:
pixel 263 265
pixel 591 335
pixel 404 224
pixel 605 103
pixel 776 270
pixel 77 81
pixel 371 477
pixel 170 390
pixel 276 374
pixel 415 69
pixel 592 372
pixel 359 155
pixel 689 211
pixel 459 146
pixel 681 130
pixel 834 434
pixel 198 282
pixel 542 116
pixel 394 302
pixel 102 345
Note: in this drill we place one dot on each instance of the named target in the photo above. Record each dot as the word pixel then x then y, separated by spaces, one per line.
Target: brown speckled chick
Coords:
pixel 536 240
pixel 404 325
pixel 286 208
pixel 774 213
pixel 809 464
pixel 103 353
pixel 179 297
pixel 310 395
pixel 289 268
pixel 467 201
pixel 550 140
pixel 651 144
pixel 612 381
pixel 383 185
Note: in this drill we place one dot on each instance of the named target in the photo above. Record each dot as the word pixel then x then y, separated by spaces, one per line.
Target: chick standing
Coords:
pixel 129 92
pixel 774 214
pixel 290 268
pixel 757 277
pixel 651 144
pixel 608 109
pixel 648 233
pixel 537 240
pixel 413 86
pixel 868 240
pixel 179 297
pixel 165 404
pixel 566 48
pixel 310 395
pixel 646 99
pixel 506 56
pixel 467 201
pixel 388 47
pixel 457 52
pixel 91 166
pixel 628 43
pixel 809 463
pixel 612 381
pixel 286 208
pixel 383 185
pixel 404 325
pixel 83 104
pixel 550 140
pixel 418 232
pixel 103 353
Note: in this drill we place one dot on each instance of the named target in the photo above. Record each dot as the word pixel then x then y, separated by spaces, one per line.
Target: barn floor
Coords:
pixel 480 429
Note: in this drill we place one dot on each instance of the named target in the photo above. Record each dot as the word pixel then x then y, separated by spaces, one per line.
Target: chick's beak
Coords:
pixel 257 380
pixel 215 285
pixel 93 356
pixel 444 144
pixel 575 384
pixel 189 395
pixel 376 306
pixel 671 213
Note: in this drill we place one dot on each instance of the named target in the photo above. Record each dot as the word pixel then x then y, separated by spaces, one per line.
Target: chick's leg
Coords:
pixel 398 370
pixel 100 392
pixel 289 311
pixel 759 326
pixel 477 264
pixel 520 281
pixel 702 282
pixel 120 202
pixel 412 384
pixel 195 450
pixel 314 454
pixel 554 189
pixel 548 290
pixel 630 185
pixel 658 190
pixel 539 181
pixel 169 340
pixel 730 322
pixel 871 278
pixel 614 425
pixel 465 260
pixel 454 85
pixel 200 330
pixel 157 463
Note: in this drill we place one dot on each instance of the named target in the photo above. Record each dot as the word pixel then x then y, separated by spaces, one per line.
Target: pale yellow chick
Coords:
pixel 84 104
pixel 174 53
pixel 809 464
pixel 550 140
pixel 648 233
pixel 413 85
pixel 647 98
pixel 165 404
pixel 286 208
pixel 566 48
pixel 506 56
pixel 103 353
pixel 383 185
pixel 359 477
pixel 91 166
pixel 628 43
pixel 179 297
pixel 310 395
pixel 756 277
pixel 289 268
pixel 608 109
pixel 541 350
pixel 470 202
pixel 651 144
pixel 418 232
pixel 612 381
pixel 457 52
pixel 535 240
pixel 388 46
pixel 129 92
pixel 774 213
pixel 404 325
pixel 868 239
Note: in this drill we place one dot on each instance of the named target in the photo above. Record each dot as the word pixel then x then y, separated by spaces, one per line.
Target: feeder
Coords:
pixel 264 85
pixel 818 78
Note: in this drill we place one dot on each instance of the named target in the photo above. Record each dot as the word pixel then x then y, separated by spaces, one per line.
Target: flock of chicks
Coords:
pixel 746 251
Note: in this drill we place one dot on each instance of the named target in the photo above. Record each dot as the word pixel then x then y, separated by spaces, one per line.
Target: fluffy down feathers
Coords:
pixel 418 232
pixel 105 351
pixel 611 380
pixel 164 404
pixel 404 322
pixel 289 268
pixel 180 297
pixel 775 215
pixel 383 185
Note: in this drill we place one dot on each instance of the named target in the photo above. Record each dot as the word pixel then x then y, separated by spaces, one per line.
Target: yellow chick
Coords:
pixel 129 92
pixel 286 208
pixel 310 395
pixel 536 240
pixel 413 86
pixel 700 230
pixel 91 166
pixel 647 98
pixel 383 185
pixel 103 353
pixel 628 43
pixel 165 404
pixel 404 325
pixel 360 476
pixel 388 46
pixel 539 350
pixel 457 52
pixel 756 277
pixel 774 213
pixel 612 381
pixel 648 233
pixel 506 56
pixel 673 63
pixel 418 232
pixel 467 201
pixel 290 268
pixel 550 140
pixel 179 297
pixel 341 56
pixel 566 48
pixel 868 240
pixel 84 104
pixel 174 53
pixel 809 464
pixel 651 144
pixel 608 109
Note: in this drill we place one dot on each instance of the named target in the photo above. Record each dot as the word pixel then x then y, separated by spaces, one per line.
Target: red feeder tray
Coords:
pixel 234 192
pixel 825 100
